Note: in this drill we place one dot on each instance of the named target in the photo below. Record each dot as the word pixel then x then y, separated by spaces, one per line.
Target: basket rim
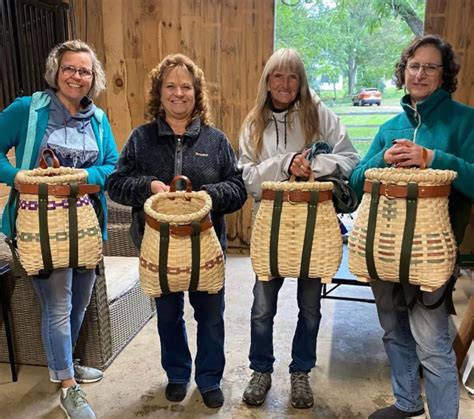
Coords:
pixel 298 186
pixel 52 175
pixel 407 175
pixel 202 196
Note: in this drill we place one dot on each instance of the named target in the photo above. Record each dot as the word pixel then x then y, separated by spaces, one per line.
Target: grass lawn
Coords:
pixel 362 146
pixel 363 122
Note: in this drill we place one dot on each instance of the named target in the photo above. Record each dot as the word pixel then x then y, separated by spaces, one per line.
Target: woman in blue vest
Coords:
pixel 64 119
pixel 437 132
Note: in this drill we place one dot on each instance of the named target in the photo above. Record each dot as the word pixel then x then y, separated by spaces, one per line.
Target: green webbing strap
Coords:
pixel 447 297
pixel 195 255
pixel 408 233
pixel 309 233
pixel 275 232
pixel 73 233
pixel 372 223
pixel 164 245
pixel 11 240
pixel 43 226
pixel 12 202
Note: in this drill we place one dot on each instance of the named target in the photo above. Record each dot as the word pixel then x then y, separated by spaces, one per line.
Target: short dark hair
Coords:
pixel 450 61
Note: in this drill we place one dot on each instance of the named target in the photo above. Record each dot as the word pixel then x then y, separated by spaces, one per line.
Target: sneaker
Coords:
pixel 176 392
pixel 257 388
pixel 213 399
pixel 301 393
pixel 84 375
pixel 393 412
pixel 75 404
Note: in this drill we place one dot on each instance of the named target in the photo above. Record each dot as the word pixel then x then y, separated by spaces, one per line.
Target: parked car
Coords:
pixel 367 96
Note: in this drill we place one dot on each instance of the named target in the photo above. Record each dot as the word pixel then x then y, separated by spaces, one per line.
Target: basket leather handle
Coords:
pixel 48 156
pixel 189 186
pixel 310 179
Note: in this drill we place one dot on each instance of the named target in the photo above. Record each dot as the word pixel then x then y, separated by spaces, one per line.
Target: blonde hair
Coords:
pixel 158 74
pixel 54 61
pixel 260 115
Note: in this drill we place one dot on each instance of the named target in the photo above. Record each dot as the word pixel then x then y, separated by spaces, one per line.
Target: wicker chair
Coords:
pixel 108 325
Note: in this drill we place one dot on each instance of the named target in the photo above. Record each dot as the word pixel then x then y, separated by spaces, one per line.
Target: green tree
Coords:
pixel 359 39
pixel 407 10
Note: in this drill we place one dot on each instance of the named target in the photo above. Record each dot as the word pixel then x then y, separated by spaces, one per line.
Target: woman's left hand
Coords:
pixel 405 153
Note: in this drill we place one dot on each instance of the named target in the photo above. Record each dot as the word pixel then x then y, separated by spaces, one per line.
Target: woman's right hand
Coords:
pixel 405 153
pixel 157 186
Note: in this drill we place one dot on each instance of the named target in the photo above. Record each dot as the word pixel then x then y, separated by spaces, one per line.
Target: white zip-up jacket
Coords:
pixel 283 138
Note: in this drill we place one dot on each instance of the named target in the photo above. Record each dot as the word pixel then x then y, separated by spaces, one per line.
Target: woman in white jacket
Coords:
pixel 286 120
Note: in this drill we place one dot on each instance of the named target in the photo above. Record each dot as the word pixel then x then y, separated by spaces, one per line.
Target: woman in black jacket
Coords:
pixel 181 141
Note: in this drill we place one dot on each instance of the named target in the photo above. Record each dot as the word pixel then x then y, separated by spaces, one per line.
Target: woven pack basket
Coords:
pixel 296 232
pixel 403 231
pixel 180 250
pixel 57 226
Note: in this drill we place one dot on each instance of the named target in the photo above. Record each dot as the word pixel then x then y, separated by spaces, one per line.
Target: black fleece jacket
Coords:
pixel 154 152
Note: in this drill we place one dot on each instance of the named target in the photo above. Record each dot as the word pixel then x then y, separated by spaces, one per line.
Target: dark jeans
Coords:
pixel 175 356
pixel 264 308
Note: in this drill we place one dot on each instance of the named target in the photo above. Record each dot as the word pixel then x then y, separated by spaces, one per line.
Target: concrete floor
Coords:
pixel 351 378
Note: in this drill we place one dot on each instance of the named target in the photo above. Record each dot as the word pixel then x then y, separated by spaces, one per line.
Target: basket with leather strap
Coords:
pixel 403 232
pixel 180 250
pixel 56 225
pixel 296 231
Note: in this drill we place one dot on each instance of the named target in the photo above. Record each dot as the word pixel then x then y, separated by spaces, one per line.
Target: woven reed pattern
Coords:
pixel 180 208
pixel 28 225
pixel 326 252
pixel 433 252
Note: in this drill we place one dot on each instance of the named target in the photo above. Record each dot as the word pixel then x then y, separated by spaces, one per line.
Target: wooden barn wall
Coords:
pixel 229 39
pixel 453 21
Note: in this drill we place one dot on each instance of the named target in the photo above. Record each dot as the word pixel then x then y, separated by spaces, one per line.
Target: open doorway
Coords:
pixel 349 49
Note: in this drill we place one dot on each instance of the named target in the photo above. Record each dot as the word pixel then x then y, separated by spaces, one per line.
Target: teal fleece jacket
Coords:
pixel 13 134
pixel 439 123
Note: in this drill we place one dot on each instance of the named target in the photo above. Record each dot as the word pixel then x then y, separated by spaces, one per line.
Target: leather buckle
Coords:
pixel 289 199
pixel 386 191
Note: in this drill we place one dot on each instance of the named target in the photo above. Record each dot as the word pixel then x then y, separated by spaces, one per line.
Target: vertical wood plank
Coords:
pixel 451 20
pixel 229 39
pixel 116 71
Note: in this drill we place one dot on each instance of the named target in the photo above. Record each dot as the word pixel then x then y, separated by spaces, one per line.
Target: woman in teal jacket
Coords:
pixel 438 132
pixel 64 119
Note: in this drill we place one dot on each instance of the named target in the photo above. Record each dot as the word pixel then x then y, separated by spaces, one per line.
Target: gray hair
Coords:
pixel 54 61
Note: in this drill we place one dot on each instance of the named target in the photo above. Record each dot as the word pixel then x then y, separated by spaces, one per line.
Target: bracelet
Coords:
pixel 424 158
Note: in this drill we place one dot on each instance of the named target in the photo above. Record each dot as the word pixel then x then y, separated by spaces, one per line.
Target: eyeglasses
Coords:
pixel 428 69
pixel 70 70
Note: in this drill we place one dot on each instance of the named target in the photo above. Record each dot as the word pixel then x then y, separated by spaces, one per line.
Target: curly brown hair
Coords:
pixel 450 61
pixel 158 74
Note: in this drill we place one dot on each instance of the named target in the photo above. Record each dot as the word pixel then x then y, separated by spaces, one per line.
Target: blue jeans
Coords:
pixel 264 308
pixel 415 337
pixel 64 298
pixel 175 356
